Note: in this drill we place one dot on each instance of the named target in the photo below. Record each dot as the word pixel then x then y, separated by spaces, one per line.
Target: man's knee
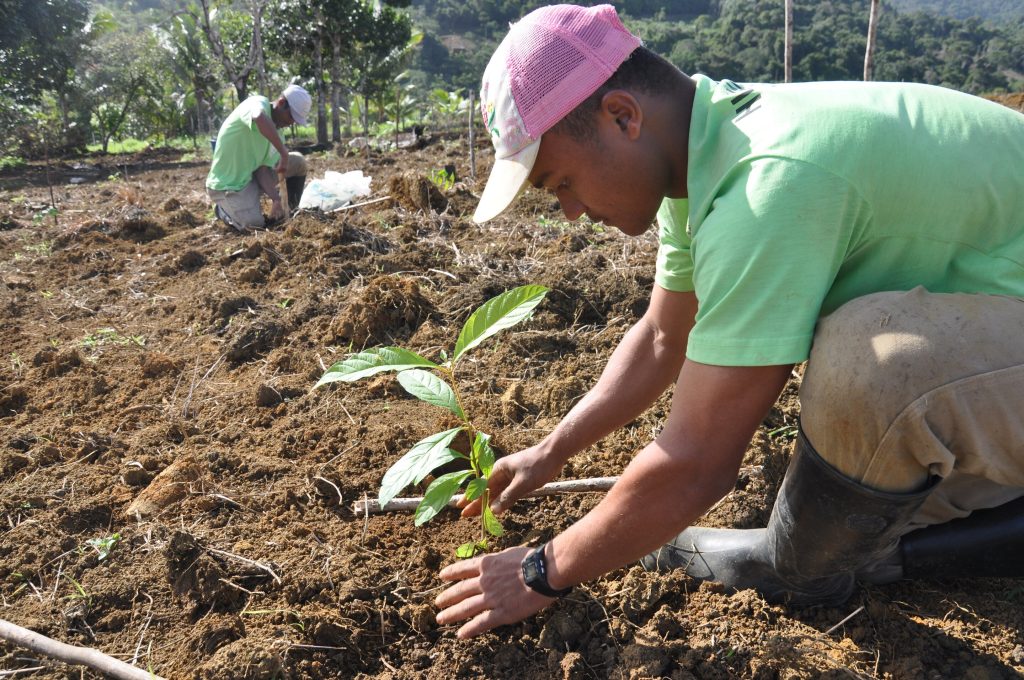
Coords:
pixel 296 165
pixel 881 352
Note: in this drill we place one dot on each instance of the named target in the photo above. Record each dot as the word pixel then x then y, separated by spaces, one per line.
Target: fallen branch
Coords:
pixel 372 505
pixel 552 489
pixel 358 205
pixel 69 654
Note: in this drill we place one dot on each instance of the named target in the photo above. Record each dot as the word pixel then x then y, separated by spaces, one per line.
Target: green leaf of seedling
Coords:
pixel 371 362
pixel 497 314
pixel 467 550
pixel 491 523
pixel 483 454
pixel 418 462
pixel 431 389
pixel 475 489
pixel 438 494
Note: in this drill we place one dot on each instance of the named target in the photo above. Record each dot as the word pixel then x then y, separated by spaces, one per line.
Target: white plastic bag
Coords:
pixel 334 191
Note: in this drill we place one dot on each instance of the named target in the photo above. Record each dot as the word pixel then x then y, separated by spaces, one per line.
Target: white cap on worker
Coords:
pixel 299 102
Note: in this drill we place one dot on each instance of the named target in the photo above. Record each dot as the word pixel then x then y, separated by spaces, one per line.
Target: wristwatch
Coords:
pixel 535 573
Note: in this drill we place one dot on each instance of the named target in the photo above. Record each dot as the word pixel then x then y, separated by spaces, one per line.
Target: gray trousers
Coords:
pixel 243 207
pixel 902 386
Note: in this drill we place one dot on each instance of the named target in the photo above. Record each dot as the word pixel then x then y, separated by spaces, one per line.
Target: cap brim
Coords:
pixel 506 181
pixel 297 119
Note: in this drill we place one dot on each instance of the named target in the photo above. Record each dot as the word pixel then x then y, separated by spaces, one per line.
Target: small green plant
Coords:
pixel 44 248
pixel 442 178
pixel 17 364
pixel 554 224
pixel 11 162
pixel 786 432
pixel 103 546
pixel 47 294
pixel 285 303
pixel 43 214
pixel 419 377
pixel 79 593
pixel 105 336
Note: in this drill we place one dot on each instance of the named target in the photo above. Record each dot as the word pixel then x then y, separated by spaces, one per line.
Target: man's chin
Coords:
pixel 634 229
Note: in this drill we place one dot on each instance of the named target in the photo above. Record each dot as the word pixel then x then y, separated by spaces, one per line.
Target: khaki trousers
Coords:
pixel 901 386
pixel 243 207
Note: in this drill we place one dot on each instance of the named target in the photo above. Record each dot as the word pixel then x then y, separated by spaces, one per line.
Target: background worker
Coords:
pixel 249 155
pixel 873 229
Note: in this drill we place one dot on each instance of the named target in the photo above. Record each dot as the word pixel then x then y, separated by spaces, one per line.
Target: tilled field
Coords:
pixel 173 493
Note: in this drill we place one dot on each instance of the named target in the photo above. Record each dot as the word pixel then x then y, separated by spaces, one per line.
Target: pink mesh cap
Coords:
pixel 550 61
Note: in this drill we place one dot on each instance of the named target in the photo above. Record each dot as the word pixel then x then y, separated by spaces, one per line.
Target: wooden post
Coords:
pixel 788 68
pixel 869 53
pixel 472 149
pixel 282 190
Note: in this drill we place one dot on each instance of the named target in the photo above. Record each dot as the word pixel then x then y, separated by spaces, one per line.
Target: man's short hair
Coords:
pixel 644 71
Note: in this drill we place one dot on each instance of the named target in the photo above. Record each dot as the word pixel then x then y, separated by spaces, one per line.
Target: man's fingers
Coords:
pixel 481 624
pixel 461 570
pixel 471 509
pixel 461 610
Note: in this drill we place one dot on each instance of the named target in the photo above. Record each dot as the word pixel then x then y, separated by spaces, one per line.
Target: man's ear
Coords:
pixel 623 108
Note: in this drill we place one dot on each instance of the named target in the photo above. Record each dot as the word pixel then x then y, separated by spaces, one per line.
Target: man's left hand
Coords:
pixel 490 592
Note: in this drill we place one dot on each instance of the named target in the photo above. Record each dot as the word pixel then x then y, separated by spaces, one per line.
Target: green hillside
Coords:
pixel 992 10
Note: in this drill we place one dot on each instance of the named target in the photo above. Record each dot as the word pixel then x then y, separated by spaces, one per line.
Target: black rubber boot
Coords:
pixel 295 186
pixel 824 526
pixel 986 543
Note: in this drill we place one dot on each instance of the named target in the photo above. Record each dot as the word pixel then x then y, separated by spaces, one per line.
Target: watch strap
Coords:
pixel 535 573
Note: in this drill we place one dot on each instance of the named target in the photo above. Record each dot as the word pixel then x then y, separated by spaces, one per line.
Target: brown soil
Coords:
pixel 155 383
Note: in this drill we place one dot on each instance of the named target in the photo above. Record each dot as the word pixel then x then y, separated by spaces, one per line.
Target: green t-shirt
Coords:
pixel 241 147
pixel 805 196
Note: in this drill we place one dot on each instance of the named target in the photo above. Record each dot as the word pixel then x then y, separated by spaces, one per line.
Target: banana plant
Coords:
pixel 436 383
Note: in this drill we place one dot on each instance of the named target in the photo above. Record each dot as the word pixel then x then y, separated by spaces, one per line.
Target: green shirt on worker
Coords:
pixel 805 196
pixel 241 148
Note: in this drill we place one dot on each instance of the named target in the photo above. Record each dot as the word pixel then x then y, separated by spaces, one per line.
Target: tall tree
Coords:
pixel 237 71
pixel 182 39
pixel 120 69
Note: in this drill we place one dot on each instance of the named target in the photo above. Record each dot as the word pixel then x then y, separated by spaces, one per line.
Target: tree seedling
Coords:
pixel 104 545
pixel 436 384
pixel 442 178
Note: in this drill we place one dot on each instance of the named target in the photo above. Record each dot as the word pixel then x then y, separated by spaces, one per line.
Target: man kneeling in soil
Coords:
pixel 247 153
pixel 875 229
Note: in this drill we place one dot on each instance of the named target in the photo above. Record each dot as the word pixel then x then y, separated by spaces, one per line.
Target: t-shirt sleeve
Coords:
pixel 765 257
pixel 674 269
pixel 253 108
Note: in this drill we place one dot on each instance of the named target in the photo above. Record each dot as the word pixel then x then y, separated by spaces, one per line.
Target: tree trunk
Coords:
pixel 788 70
pixel 335 71
pixel 335 112
pixel 869 54
pixel 321 85
pixel 257 47
pixel 238 76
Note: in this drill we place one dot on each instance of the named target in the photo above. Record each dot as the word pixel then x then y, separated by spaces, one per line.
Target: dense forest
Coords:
pixel 90 72
pixel 743 40
pixel 993 10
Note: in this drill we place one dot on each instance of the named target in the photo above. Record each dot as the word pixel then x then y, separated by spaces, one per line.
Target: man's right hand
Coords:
pixel 282 166
pixel 276 210
pixel 515 476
